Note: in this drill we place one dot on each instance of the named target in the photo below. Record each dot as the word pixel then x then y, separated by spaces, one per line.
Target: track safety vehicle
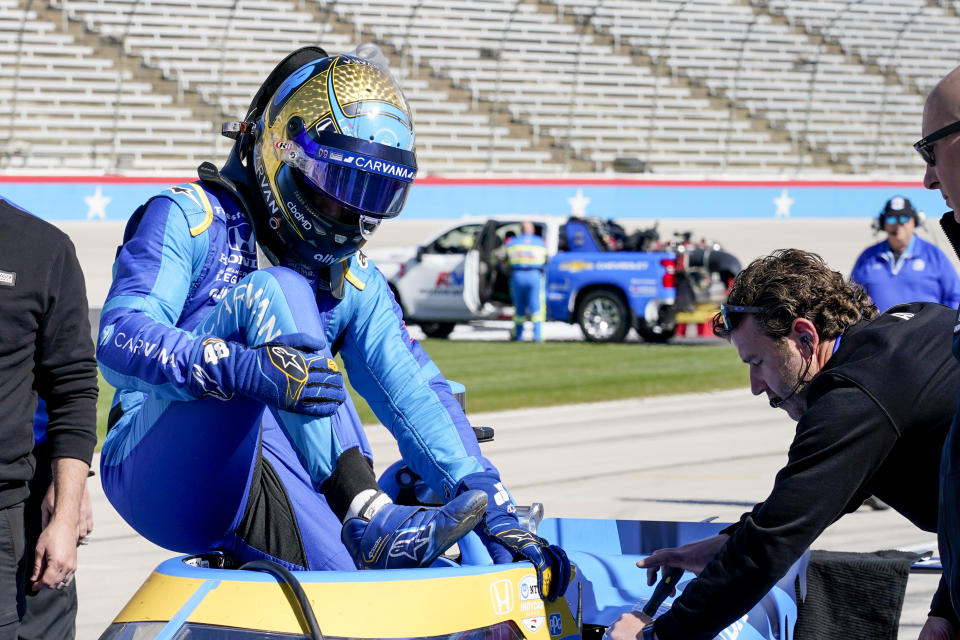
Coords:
pixel 597 276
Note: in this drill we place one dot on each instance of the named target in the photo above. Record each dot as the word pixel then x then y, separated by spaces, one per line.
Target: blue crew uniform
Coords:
pixel 922 273
pixel 194 473
pixel 527 255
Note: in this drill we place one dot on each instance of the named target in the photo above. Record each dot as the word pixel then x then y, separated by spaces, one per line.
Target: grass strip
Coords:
pixel 507 375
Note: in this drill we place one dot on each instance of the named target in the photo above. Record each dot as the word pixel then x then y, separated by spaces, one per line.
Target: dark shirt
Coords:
pixel 45 348
pixel 877 416
pixel 948 534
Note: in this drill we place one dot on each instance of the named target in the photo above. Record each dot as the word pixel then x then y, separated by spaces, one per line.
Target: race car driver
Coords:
pixel 231 428
pixel 818 350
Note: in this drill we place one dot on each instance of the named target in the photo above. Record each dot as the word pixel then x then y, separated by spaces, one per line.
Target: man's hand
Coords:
pixel 628 626
pixel 55 558
pixel 290 373
pixel 85 522
pixel 85 525
pixel 507 541
pixel 692 556
pixel 936 628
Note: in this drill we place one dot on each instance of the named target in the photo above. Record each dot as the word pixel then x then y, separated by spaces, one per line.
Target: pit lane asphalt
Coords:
pixel 686 457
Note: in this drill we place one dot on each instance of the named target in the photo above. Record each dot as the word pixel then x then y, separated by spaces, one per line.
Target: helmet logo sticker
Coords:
pixel 324 258
pixel 300 217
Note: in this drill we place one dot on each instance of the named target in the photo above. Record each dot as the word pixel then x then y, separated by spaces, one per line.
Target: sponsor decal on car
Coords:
pixel 625 265
pixel 501 595
pixel 528 588
pixel 575 266
pixel 533 624
pixel 556 624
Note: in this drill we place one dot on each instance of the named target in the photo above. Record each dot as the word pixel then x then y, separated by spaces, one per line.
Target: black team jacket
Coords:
pixel 45 348
pixel 877 417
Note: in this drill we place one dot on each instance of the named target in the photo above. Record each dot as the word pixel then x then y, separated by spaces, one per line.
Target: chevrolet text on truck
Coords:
pixel 461 275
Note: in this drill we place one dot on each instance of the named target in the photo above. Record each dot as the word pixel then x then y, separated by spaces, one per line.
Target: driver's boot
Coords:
pixel 402 537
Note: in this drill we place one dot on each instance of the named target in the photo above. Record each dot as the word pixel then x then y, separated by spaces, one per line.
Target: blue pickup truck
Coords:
pixel 598 277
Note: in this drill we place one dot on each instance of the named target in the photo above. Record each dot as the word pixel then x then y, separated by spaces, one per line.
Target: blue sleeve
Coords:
pixel 949 281
pixel 139 346
pixel 857 274
pixel 407 392
pixel 40 420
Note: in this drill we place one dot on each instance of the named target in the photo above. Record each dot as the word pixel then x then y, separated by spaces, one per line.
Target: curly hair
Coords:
pixel 790 284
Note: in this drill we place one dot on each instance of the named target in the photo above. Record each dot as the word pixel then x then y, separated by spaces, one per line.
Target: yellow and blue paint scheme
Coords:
pixel 409 603
pixel 469 602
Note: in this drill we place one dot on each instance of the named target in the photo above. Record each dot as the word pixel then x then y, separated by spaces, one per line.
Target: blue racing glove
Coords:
pixel 507 541
pixel 290 373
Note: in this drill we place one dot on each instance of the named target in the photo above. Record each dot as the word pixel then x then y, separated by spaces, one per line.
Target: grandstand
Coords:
pixel 785 88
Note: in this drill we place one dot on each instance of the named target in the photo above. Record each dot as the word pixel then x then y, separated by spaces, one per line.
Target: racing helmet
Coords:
pixel 332 156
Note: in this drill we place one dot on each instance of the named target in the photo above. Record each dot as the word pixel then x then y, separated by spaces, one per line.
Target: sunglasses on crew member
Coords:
pixel 726 309
pixel 895 220
pixel 925 146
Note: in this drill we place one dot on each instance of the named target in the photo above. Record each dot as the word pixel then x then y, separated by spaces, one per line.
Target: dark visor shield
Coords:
pixel 373 185
pixel 322 204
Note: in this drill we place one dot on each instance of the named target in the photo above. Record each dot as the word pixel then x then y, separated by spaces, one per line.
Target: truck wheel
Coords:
pixel 603 317
pixel 437 329
pixel 655 332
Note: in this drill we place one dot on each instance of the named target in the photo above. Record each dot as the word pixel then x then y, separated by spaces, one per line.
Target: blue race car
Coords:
pixel 465 598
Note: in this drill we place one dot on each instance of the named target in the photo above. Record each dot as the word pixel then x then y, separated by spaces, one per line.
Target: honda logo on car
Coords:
pixel 501 594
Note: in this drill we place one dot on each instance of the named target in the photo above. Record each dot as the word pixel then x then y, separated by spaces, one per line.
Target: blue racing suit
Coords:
pixel 194 473
pixel 527 255
pixel 922 273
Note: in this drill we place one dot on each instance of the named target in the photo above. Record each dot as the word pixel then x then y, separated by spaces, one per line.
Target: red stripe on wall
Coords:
pixel 511 182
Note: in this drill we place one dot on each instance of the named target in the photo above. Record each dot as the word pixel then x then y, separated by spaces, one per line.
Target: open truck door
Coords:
pixel 480 268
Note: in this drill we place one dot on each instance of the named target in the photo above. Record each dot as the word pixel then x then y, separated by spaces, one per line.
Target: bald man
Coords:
pixel 940 149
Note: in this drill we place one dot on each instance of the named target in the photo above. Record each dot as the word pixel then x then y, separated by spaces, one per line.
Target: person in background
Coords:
pixel 45 350
pixel 873 397
pixel 527 256
pixel 905 267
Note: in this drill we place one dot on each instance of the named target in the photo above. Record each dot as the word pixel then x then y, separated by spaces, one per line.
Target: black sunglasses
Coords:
pixel 726 309
pixel 925 146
